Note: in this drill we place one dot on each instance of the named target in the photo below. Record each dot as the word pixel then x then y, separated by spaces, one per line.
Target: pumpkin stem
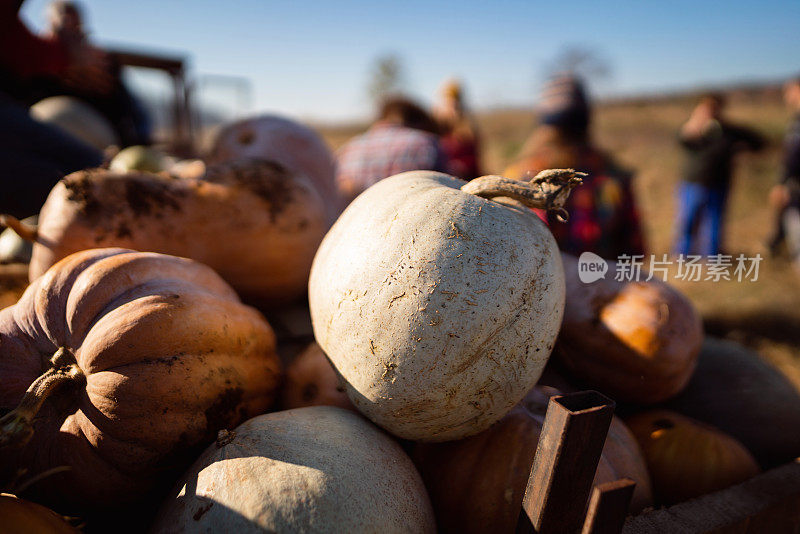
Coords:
pixel 16 427
pixel 547 190
pixel 26 232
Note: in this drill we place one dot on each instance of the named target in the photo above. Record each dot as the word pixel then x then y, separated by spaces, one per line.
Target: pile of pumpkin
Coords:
pixel 138 391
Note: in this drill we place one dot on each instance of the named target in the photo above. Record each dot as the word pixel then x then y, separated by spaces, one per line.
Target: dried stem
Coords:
pixel 26 232
pixel 16 427
pixel 547 190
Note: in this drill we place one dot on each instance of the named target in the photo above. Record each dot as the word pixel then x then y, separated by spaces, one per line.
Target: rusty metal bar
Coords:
pixel 570 445
pixel 171 64
pixel 608 507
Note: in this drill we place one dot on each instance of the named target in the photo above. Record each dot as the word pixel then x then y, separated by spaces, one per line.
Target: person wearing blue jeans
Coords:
pixel 702 209
pixel 710 143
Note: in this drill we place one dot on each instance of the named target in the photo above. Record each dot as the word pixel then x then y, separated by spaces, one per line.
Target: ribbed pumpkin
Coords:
pixel 635 341
pixel 438 306
pixel 293 145
pixel 737 391
pixel 312 381
pixel 687 458
pixel 476 484
pixel 315 469
pixel 254 222
pixel 143 356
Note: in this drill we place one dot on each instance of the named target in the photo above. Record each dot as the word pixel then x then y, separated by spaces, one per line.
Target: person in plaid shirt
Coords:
pixel 402 139
pixel 602 212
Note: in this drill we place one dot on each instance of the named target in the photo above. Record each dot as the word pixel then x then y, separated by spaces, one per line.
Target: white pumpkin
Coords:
pixel 439 308
pixel 314 469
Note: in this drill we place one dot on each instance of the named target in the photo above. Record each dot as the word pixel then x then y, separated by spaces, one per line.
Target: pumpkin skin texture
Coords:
pixel 476 484
pixel 312 381
pixel 314 469
pixel 19 516
pixel 255 223
pixel 456 301
pixel 293 145
pixel 686 458
pixel 634 341
pixel 166 355
pixel 736 391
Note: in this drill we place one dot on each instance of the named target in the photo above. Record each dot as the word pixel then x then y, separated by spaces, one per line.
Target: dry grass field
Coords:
pixel 642 135
pixel 765 314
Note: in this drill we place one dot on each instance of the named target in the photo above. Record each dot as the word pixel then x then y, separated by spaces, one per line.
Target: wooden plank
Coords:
pixel 608 507
pixel 768 503
pixel 565 462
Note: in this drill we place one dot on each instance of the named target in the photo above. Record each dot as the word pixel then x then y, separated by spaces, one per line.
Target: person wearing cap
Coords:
pixel 403 138
pixel 710 143
pixel 116 103
pixel 459 134
pixel 33 155
pixel 604 218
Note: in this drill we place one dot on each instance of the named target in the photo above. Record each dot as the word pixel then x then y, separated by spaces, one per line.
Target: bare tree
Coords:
pixel 387 76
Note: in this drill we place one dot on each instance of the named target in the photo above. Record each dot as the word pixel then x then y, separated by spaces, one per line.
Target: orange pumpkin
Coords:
pixel 686 458
pixel 634 341
pixel 151 356
pixel 254 222
pixel 18 516
pixel 476 484
pixel 737 391
pixel 312 381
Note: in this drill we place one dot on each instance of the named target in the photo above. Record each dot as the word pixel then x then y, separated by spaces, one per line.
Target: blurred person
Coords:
pixel 710 143
pixel 785 196
pixel 115 102
pixel 603 217
pixel 401 139
pixel 34 156
pixel 459 135
pixel 65 22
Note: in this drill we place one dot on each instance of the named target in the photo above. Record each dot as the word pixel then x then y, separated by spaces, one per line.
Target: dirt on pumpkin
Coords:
pixel 269 180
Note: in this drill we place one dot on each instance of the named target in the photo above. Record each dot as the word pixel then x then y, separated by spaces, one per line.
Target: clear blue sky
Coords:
pixel 312 59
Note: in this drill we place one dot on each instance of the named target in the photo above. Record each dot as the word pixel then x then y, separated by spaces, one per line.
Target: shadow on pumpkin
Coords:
pixel 200 505
pixel 57 491
pixel 736 391
pixel 240 485
pixel 773 326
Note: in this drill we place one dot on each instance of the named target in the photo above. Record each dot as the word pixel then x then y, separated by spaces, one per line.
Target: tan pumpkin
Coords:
pixel 634 341
pixel 255 223
pixel 77 118
pixel 687 458
pixel 437 306
pixel 293 145
pixel 151 356
pixel 476 484
pixel 738 392
pixel 315 469
pixel 18 516
pixel 312 381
